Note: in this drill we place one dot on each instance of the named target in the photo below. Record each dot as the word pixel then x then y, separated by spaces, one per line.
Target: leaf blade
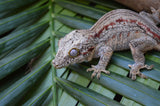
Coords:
pixel 81 9
pixel 14 93
pixel 11 22
pixel 86 96
pixel 16 60
pixel 126 87
pixel 16 38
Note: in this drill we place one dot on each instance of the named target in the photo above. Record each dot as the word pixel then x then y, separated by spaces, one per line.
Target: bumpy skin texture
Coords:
pixel 117 30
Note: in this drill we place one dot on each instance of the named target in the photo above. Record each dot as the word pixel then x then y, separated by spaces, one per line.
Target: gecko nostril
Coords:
pixel 54 63
pixel 56 66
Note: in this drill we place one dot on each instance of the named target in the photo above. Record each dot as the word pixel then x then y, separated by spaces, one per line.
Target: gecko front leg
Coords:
pixel 105 53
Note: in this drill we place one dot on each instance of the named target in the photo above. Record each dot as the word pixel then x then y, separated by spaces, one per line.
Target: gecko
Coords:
pixel 117 30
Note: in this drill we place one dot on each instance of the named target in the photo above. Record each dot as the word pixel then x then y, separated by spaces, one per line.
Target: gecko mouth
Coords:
pixel 58 66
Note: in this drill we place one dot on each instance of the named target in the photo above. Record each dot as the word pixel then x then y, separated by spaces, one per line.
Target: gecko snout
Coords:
pixel 55 64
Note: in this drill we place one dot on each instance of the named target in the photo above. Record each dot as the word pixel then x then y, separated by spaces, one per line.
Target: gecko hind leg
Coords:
pixel 138 48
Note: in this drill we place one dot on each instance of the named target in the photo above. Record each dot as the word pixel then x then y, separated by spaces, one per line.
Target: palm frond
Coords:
pixel 29 32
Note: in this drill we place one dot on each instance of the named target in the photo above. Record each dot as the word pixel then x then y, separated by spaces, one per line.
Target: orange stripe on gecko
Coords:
pixel 130 21
pixel 89 50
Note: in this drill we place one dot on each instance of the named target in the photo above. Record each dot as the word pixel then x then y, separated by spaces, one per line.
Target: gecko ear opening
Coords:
pixel 74 52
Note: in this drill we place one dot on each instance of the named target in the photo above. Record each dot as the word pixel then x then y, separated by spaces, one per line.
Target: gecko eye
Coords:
pixel 74 52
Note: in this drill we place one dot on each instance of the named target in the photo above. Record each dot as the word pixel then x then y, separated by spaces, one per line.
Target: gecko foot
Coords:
pixel 97 71
pixel 135 70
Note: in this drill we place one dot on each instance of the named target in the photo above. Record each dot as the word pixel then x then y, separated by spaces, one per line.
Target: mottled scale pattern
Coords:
pixel 117 30
pixel 124 20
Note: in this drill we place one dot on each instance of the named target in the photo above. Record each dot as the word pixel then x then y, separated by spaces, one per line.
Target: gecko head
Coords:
pixel 75 47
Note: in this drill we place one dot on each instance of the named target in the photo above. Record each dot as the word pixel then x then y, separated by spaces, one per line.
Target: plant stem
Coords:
pixel 52 41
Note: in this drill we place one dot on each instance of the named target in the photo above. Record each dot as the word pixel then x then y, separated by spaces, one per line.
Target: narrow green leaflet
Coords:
pixel 70 21
pixel 42 90
pixel 123 62
pixel 19 47
pixel 15 92
pixel 122 85
pixel 6 5
pixel 39 98
pixel 18 59
pixel 4 14
pixel 108 3
pixel 84 95
pixel 24 25
pixel 11 22
pixel 14 11
pixel 59 34
pixel 29 33
pixel 16 38
pixel 81 9
pixel 74 22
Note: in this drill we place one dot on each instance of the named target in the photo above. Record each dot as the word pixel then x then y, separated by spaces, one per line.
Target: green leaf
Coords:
pixel 15 92
pixel 18 59
pixel 74 22
pixel 123 62
pixel 122 85
pixel 108 3
pixel 81 9
pixel 16 38
pixel 22 23
pixel 42 89
pixel 16 10
pixel 5 5
pixel 59 34
pixel 84 95
pixel 39 98
pixel 11 22
pixel 4 14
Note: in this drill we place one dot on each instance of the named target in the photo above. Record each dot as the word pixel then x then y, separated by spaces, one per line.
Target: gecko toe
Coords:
pixel 135 70
pixel 93 75
pixel 98 75
pixel 133 74
pixel 129 65
pixel 149 67
pixel 107 72
pixel 94 72
pixel 142 75
pixel 90 69
pixel 97 72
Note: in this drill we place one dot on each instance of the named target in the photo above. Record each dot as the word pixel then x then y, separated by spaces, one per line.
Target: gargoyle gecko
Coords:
pixel 117 30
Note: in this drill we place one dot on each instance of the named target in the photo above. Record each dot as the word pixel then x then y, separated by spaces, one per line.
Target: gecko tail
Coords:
pixel 156 15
